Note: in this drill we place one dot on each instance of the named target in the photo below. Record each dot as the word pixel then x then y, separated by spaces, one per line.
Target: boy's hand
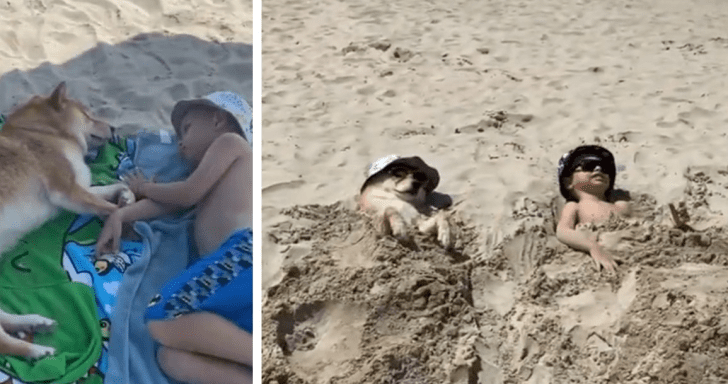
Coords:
pixel 108 241
pixel 135 180
pixel 603 259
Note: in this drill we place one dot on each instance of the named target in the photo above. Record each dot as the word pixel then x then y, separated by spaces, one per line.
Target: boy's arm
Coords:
pixel 110 235
pixel 223 152
pixel 566 232
pixel 143 209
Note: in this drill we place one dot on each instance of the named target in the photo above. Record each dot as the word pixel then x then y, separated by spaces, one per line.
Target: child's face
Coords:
pixel 198 129
pixel 589 178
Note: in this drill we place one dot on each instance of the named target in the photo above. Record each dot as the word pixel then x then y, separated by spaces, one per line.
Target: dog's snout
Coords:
pixel 113 129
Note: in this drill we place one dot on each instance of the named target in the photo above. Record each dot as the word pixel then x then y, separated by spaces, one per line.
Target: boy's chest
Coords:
pixel 595 213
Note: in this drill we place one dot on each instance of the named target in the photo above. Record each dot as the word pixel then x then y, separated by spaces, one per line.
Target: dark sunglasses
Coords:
pixel 402 172
pixel 589 165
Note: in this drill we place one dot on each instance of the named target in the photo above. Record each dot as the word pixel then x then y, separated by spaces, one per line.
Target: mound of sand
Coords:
pixel 354 308
pixel 364 309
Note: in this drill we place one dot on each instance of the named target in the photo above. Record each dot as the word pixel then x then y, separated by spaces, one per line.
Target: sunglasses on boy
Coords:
pixel 590 165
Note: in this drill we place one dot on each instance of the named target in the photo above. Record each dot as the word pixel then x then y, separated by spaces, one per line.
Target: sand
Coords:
pixel 129 60
pixel 492 94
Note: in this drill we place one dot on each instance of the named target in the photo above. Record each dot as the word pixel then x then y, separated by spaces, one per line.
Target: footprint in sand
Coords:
pixel 312 331
pixel 496 120
pixel 402 55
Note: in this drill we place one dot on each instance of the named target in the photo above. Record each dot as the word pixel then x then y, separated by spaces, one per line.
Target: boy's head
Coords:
pixel 581 167
pixel 235 112
pixel 199 122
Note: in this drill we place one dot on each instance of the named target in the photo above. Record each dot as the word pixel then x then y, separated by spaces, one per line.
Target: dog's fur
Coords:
pixel 42 169
pixel 396 199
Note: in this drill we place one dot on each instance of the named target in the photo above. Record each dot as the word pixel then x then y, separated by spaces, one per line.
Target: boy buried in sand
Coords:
pixel 203 317
pixel 586 179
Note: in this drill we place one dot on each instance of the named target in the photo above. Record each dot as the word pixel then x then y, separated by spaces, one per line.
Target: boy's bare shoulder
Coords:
pixel 570 206
pixel 569 213
pixel 567 218
pixel 229 141
pixel 619 195
pixel 621 201
pixel 623 208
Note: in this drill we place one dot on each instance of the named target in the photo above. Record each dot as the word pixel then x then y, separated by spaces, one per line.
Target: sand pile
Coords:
pixel 365 309
pixel 354 308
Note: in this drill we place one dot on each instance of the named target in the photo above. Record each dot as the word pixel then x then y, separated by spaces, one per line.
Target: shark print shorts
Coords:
pixel 220 283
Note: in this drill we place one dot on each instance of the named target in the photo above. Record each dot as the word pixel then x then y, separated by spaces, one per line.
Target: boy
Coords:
pixel 203 317
pixel 586 179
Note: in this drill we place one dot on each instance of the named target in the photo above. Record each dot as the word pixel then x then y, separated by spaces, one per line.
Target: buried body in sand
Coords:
pixel 586 180
pixel 399 193
pixel 527 310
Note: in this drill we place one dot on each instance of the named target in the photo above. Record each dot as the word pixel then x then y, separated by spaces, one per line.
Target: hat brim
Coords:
pixel 586 151
pixel 183 107
pixel 433 177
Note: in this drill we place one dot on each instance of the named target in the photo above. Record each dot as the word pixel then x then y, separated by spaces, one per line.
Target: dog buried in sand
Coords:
pixel 397 196
pixel 42 170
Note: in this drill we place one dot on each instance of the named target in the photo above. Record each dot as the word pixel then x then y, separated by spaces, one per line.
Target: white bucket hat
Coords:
pixel 386 162
pixel 228 102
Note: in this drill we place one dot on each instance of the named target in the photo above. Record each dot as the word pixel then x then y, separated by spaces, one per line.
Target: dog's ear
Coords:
pixel 58 96
pixel 439 200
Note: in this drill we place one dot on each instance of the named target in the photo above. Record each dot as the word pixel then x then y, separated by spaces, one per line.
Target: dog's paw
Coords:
pixel 444 235
pixel 399 229
pixel 126 197
pixel 40 351
pixel 30 324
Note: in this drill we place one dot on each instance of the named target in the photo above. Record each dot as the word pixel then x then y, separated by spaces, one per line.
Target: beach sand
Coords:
pixel 130 60
pixel 492 94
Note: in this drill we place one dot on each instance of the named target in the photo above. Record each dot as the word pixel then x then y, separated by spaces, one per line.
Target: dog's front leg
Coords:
pixel 10 345
pixel 118 193
pixel 79 200
pixel 394 223
pixel 440 226
pixel 26 323
pixel 16 347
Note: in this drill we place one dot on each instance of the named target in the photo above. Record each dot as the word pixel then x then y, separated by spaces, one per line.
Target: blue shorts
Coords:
pixel 220 283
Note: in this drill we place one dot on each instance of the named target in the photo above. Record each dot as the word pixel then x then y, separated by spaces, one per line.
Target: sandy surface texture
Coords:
pixel 492 94
pixel 130 61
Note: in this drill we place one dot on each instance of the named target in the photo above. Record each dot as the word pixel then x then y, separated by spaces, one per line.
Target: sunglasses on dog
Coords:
pixel 590 165
pixel 402 172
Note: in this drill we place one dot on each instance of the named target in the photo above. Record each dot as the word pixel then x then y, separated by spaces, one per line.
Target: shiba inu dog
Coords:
pixel 42 170
pixel 396 195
